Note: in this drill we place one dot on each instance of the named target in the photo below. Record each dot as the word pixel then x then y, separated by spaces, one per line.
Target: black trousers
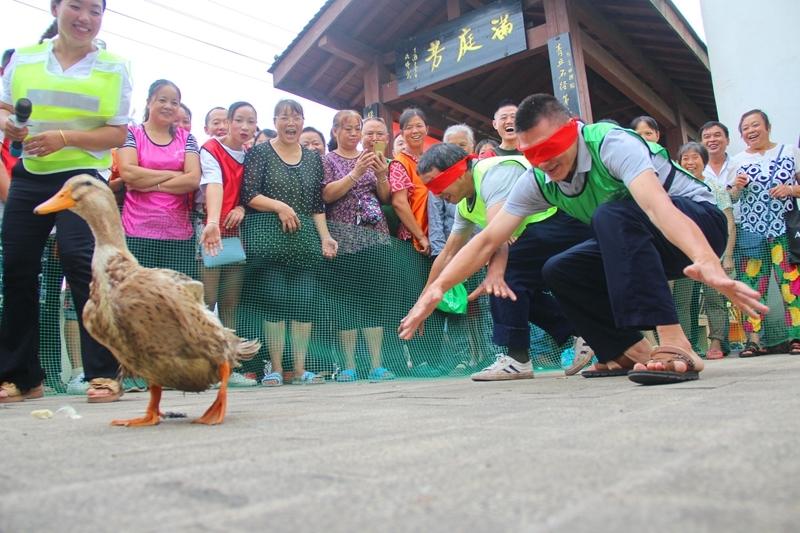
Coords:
pixel 24 236
pixel 534 303
pixel 616 284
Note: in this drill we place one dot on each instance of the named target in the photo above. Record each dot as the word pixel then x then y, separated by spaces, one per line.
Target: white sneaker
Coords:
pixel 583 356
pixel 504 368
pixel 238 380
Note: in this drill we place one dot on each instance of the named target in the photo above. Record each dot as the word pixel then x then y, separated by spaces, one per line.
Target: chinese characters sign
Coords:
pixel 562 68
pixel 479 37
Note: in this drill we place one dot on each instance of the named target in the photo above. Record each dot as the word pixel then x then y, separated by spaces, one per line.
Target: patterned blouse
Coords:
pixel 760 213
pixel 299 186
pixel 359 207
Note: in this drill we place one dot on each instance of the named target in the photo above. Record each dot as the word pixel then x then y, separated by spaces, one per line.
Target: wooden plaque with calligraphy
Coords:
pixel 480 37
pixel 562 68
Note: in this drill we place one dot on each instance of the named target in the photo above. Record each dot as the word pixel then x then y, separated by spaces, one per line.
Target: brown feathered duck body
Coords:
pixel 153 320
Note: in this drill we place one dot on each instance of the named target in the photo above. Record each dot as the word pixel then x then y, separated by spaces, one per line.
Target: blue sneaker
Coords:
pixel 347 376
pixel 273 379
pixel 78 385
pixel 308 378
pixel 380 374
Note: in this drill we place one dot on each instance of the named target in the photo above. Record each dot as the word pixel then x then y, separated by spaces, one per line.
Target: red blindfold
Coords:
pixel 554 145
pixel 438 184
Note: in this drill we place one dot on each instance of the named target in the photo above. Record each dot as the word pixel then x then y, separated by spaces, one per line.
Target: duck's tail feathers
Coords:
pixel 246 350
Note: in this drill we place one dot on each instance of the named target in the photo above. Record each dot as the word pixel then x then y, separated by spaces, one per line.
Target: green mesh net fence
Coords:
pixel 330 316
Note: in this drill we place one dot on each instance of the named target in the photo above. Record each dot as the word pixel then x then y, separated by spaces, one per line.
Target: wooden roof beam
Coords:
pixel 459 106
pixel 614 38
pixel 687 35
pixel 321 71
pixel 347 48
pixel 618 75
pixel 309 38
pixel 345 79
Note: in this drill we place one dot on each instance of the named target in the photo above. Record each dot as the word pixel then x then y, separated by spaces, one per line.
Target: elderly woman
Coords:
pixel 694 157
pixel 355 184
pixel 282 177
pixel 766 186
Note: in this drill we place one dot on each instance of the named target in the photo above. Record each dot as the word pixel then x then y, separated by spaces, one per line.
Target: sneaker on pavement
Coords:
pixel 583 356
pixel 237 379
pixel 78 385
pixel 504 368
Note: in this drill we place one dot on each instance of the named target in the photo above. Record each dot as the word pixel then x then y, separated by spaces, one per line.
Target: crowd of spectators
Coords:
pixel 182 202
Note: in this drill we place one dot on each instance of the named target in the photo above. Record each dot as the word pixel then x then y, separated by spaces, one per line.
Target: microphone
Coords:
pixel 22 112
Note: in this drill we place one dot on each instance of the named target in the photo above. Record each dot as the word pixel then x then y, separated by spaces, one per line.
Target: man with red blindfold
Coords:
pixel 652 222
pixel 480 188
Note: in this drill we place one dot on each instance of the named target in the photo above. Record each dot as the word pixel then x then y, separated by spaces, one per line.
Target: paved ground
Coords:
pixel 552 454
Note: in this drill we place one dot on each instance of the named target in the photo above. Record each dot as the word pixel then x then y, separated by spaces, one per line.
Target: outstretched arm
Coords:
pixel 682 231
pixel 466 262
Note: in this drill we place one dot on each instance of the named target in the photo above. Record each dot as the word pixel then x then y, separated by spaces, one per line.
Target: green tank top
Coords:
pixel 474 209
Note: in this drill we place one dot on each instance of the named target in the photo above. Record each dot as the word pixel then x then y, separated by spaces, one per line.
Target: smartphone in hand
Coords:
pixel 379 148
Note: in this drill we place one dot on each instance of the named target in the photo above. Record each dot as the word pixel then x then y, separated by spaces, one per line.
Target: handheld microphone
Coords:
pixel 22 112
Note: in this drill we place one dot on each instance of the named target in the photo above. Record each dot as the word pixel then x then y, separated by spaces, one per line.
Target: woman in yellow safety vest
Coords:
pixel 81 97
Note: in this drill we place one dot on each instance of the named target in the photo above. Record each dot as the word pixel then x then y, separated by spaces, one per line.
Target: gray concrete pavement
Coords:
pixel 551 454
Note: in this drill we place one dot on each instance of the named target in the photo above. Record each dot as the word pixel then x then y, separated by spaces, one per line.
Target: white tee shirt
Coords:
pixel 212 171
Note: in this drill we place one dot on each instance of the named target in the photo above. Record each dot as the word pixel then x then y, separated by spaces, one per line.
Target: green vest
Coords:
pixel 477 212
pixel 67 103
pixel 599 186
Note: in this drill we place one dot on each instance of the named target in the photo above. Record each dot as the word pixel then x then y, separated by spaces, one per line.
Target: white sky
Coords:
pixel 221 56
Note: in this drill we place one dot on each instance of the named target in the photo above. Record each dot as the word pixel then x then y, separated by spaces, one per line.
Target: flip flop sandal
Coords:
pixel 666 354
pixel 607 373
pixel 794 347
pixel 752 349
pixel 104 384
pixel 14 395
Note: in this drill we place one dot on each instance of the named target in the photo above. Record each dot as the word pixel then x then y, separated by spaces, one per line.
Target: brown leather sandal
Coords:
pixel 668 354
pixel 104 384
pixel 14 395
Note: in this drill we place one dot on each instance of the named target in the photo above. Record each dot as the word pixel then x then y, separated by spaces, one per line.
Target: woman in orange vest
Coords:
pixel 409 194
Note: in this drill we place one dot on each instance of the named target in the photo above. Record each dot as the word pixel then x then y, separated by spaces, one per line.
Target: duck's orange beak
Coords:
pixel 61 201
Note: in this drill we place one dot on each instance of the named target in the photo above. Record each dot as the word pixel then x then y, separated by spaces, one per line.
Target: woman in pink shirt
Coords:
pixel 160 165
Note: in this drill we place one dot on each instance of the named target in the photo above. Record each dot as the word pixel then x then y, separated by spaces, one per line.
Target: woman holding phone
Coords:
pixel 354 187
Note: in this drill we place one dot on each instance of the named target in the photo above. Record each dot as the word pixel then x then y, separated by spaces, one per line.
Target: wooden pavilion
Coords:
pixel 607 58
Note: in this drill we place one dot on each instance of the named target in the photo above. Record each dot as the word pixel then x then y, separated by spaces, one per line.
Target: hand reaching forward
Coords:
pixel 415 319
pixel 493 285
pixel 712 274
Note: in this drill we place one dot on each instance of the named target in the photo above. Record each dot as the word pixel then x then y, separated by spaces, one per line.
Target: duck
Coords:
pixel 153 320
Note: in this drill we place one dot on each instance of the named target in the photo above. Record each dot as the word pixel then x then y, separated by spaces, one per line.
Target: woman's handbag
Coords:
pixel 232 252
pixel 792 220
